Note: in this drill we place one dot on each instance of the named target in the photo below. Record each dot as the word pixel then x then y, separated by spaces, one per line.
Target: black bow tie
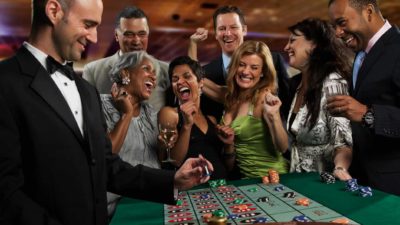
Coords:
pixel 53 66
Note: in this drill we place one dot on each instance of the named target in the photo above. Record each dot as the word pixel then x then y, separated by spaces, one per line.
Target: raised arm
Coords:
pixel 118 134
pixel 214 91
pixel 272 117
pixel 201 34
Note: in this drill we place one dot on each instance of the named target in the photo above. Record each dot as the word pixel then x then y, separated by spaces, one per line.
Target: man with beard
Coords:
pixel 374 104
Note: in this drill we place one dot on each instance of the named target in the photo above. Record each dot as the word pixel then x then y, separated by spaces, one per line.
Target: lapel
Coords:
pixel 44 86
pixel 88 120
pixel 372 57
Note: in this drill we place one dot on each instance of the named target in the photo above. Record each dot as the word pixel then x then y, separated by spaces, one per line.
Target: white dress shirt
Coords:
pixel 66 86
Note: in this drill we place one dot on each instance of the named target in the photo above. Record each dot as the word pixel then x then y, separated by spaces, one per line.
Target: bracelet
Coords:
pixel 340 168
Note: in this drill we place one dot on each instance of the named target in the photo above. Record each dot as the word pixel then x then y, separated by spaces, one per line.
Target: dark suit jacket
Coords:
pixel 376 159
pixel 49 173
pixel 214 72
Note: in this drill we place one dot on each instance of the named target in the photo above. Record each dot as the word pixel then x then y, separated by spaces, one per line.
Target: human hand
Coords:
pixel 122 99
pixel 225 133
pixel 341 174
pixel 191 173
pixel 188 109
pixel 270 106
pixel 346 106
pixel 201 34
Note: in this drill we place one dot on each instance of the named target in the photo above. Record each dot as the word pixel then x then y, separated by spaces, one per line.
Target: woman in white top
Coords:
pixel 319 141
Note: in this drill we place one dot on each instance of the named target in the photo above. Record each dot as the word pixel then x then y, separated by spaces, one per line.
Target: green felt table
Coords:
pixel 381 208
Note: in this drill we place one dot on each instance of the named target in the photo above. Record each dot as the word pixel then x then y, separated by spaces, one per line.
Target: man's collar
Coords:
pixel 378 35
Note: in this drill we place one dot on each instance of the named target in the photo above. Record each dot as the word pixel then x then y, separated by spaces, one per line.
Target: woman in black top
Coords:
pixel 196 132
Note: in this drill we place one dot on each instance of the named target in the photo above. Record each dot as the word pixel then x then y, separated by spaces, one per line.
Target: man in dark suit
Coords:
pixel 374 104
pixel 55 158
pixel 230 28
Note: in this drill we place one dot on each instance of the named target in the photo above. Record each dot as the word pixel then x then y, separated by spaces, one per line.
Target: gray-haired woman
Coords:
pixel 131 121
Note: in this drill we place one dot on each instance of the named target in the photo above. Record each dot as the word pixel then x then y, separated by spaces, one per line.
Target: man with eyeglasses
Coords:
pixel 132 34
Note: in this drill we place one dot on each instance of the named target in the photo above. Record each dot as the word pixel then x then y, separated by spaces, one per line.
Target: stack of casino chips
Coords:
pixel 351 185
pixel 273 177
pixel 328 178
pixel 365 191
pixel 217 183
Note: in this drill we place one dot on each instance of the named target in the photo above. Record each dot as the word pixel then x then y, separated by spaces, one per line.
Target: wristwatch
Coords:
pixel 368 118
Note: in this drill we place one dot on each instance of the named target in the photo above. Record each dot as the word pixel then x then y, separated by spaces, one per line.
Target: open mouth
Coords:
pixel 348 39
pixel 245 78
pixel 184 93
pixel 149 85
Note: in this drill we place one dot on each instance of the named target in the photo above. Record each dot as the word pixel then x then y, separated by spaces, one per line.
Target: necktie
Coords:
pixel 357 64
pixel 53 66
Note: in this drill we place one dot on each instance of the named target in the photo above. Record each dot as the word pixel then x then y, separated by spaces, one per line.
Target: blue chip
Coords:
pixel 301 218
pixel 233 216
pixel 261 220
pixel 204 196
pixel 351 185
pixel 365 191
pixel 279 188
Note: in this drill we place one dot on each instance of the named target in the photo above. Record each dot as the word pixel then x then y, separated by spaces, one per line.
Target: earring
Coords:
pixel 200 91
pixel 262 75
pixel 126 80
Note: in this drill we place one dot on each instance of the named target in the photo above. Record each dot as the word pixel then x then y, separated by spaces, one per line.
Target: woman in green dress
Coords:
pixel 252 111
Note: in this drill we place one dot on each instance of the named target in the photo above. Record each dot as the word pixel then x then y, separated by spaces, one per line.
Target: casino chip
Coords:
pixel 279 188
pixel 289 194
pixel 301 218
pixel 351 185
pixel 327 178
pixel 365 191
pixel 233 216
pixel 261 220
pixel 263 199
pixel 303 201
pixel 254 189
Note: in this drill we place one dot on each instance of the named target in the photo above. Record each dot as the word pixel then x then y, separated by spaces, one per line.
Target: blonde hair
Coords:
pixel 267 81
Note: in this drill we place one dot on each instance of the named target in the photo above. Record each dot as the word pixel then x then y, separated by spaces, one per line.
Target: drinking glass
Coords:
pixel 336 89
pixel 167 132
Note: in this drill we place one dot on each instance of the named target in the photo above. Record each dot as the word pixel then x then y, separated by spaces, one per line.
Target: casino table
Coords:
pixel 381 208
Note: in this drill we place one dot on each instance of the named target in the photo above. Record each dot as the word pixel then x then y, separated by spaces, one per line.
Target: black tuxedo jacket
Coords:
pixel 214 72
pixel 376 159
pixel 49 172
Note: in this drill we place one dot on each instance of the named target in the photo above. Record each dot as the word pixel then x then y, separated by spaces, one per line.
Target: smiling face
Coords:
pixel 351 25
pixel 299 49
pixel 249 71
pixel 132 34
pixel 77 28
pixel 143 80
pixel 185 85
pixel 229 32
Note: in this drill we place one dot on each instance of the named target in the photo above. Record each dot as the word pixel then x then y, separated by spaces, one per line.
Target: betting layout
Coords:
pixel 248 204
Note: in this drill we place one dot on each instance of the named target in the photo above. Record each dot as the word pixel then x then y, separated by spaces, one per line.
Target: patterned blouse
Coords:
pixel 312 150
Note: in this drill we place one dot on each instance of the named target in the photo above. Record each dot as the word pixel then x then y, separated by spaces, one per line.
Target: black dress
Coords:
pixel 208 145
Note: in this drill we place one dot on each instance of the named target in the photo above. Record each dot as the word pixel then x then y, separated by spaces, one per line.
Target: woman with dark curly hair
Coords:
pixel 319 141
